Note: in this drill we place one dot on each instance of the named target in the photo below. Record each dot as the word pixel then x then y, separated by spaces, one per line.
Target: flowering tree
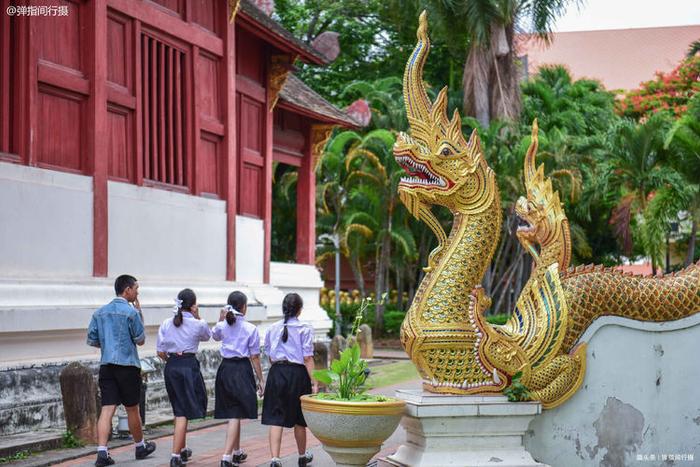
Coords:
pixel 668 91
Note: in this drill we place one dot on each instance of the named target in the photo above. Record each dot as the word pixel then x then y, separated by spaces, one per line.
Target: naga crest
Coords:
pixel 442 167
pixel 545 233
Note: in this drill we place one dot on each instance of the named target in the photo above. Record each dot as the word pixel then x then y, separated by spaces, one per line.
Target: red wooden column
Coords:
pixel 306 206
pixel 267 183
pixel 230 157
pixel 97 135
pixel 28 88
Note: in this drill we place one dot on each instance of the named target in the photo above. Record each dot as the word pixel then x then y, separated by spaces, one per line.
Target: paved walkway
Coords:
pixel 207 444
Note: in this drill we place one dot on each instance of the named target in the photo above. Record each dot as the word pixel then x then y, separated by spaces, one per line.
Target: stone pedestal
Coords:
pixel 474 431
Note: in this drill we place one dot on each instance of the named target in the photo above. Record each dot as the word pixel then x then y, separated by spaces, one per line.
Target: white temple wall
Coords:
pixel 639 398
pixel 46 227
pixel 250 249
pixel 164 234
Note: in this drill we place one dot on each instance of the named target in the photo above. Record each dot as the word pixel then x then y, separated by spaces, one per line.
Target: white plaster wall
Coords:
pixel 250 249
pixel 46 227
pixel 155 233
pixel 640 396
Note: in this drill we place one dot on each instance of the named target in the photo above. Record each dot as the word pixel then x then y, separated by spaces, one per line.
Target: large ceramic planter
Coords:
pixel 351 432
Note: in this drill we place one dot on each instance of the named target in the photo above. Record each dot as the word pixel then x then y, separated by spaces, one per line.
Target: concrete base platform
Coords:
pixel 474 431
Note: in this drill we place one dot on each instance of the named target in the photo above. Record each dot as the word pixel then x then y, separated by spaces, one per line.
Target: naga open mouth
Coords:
pixel 524 225
pixel 418 173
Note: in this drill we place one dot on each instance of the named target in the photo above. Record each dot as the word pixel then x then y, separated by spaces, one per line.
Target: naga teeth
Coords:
pixel 432 178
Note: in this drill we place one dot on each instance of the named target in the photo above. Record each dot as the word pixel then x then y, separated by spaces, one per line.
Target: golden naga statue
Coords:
pixel 445 334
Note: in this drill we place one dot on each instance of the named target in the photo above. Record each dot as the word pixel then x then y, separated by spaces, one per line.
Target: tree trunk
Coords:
pixel 690 256
pixel 356 268
pixel 379 286
pixel 505 90
pixel 491 78
pixel 399 288
pixel 475 83
pixel 668 253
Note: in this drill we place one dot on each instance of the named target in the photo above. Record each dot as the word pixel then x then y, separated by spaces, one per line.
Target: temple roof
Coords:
pixel 278 35
pixel 298 97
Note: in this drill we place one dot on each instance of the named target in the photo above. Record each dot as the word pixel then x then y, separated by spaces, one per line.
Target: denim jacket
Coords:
pixel 116 328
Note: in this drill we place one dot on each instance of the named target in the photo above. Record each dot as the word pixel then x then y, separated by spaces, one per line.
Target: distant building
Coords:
pixel 619 58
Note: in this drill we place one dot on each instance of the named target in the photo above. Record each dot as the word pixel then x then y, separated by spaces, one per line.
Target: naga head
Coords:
pixel 441 166
pixel 544 229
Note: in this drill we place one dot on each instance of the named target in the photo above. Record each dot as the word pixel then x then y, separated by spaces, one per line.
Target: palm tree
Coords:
pixel 338 219
pixel 684 143
pixel 490 77
pixel 373 180
pixel 650 191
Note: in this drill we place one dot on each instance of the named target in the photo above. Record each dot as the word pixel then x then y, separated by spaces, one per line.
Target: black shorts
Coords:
pixel 120 384
pixel 286 383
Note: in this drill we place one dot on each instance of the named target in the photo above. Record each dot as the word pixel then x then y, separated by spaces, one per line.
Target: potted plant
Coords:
pixel 351 424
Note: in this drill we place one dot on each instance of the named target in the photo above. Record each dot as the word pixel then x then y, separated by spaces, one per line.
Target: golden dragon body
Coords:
pixel 444 333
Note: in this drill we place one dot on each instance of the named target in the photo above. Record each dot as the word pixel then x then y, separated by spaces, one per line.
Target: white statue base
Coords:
pixel 474 431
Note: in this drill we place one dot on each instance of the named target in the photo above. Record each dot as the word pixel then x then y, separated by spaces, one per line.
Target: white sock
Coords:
pixel 238 452
pixel 226 458
pixel 141 443
pixel 175 455
pixel 101 448
pixel 275 459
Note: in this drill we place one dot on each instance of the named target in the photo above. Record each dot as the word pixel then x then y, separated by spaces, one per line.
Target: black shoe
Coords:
pixel 144 451
pixel 186 454
pixel 238 458
pixel 228 464
pixel 275 464
pixel 176 462
pixel 103 459
pixel 305 459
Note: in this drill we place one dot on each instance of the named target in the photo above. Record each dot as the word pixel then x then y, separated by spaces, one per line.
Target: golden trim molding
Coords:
pixel 280 67
pixel 234 5
pixel 320 134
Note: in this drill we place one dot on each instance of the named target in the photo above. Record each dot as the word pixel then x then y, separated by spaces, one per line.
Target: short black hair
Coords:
pixel 123 282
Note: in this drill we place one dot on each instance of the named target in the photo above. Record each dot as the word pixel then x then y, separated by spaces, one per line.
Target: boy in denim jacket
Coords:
pixel 117 328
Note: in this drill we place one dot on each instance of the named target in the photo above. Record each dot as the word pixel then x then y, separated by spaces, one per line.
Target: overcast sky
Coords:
pixel 624 14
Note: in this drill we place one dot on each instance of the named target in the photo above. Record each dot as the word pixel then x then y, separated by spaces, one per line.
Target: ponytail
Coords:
pixel 291 306
pixel 186 299
pixel 236 301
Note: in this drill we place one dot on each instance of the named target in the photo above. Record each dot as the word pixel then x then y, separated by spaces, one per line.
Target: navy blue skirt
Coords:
pixel 286 383
pixel 235 390
pixel 185 386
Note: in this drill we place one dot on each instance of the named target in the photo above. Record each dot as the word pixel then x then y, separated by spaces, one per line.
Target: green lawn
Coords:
pixel 391 373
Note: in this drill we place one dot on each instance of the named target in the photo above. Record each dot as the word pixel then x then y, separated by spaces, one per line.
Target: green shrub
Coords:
pixel 71 441
pixel 392 322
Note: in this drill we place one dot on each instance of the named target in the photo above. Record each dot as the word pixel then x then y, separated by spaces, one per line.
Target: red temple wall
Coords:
pixel 164 94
